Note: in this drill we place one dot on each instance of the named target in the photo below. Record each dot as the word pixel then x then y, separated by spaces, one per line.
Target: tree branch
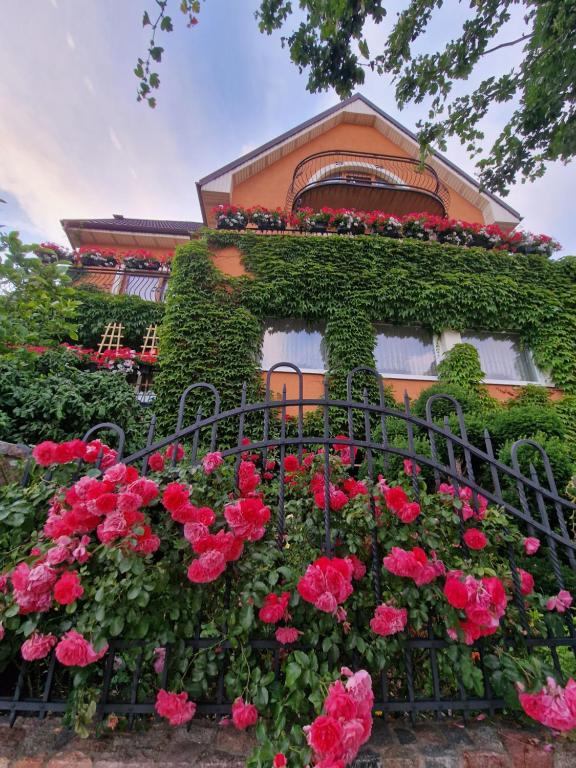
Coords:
pixel 505 45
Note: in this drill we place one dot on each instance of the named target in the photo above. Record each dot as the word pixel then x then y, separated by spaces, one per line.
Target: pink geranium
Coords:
pixel 388 620
pixel 175 707
pixel 553 706
pixel 74 650
pixel 327 583
pixel 243 714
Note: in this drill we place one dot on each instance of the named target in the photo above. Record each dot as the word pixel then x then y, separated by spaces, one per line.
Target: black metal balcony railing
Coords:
pixel 367 181
pixel 148 284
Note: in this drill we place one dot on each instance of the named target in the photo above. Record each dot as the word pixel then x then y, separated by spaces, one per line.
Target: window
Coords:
pixel 300 342
pixel 502 357
pixel 404 351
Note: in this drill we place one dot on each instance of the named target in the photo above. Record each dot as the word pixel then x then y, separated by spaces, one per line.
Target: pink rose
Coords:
pixel 211 462
pixel 531 545
pixel 475 539
pixel 411 468
pixel 156 462
pixel 45 453
pixel 68 588
pixel 208 567
pixel 116 474
pixel 553 706
pixel 388 620
pixel 37 646
pixel 287 635
pixel 74 650
pixel 275 608
pixel 243 714
pixel 175 707
pixel 561 602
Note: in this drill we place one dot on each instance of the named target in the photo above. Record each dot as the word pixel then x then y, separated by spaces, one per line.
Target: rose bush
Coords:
pixel 107 557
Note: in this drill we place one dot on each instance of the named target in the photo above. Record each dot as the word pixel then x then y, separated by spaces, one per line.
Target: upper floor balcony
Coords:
pixel 365 181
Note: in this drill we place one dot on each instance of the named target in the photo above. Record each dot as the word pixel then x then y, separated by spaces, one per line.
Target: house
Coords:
pixel 352 156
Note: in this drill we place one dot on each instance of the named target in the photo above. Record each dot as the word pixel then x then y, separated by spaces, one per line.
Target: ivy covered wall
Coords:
pixel 213 323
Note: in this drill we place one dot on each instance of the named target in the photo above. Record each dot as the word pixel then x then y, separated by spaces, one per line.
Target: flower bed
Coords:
pixel 420 226
pixel 188 552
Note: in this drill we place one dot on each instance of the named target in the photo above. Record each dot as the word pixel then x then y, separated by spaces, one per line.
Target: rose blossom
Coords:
pixel 475 539
pixel 37 646
pixel 553 706
pixel 247 518
pixel 74 650
pixel 531 545
pixel 156 462
pixel 526 582
pixel 68 588
pixel 175 707
pixel 45 453
pixel 275 608
pixel 411 468
pixel 279 760
pixel 286 635
pixel 327 583
pixel 175 496
pixel 243 714
pixel 179 452
pixel 212 461
pixel 159 659
pixel 561 602
pixel 388 620
pixel 208 567
pixel 358 566
pixel 413 565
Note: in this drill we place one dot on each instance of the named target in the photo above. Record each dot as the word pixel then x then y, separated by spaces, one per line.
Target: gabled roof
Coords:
pixel 148 226
pixel 219 182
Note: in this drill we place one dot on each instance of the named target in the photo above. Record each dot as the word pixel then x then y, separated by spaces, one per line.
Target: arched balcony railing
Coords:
pixel 366 181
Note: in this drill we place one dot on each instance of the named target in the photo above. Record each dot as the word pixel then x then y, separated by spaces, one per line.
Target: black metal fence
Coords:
pixel 381 435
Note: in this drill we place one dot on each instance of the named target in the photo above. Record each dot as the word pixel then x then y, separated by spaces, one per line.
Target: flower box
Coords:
pixel 230 217
pixel 97 260
pixel 139 263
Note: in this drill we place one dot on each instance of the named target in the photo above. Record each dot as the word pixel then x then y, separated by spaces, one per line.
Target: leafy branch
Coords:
pixel 149 80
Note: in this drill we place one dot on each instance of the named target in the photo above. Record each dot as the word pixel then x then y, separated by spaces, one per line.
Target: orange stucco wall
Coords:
pixel 270 186
pixel 313 386
pixel 228 261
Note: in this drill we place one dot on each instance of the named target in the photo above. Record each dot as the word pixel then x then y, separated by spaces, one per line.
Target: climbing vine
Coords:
pixel 214 323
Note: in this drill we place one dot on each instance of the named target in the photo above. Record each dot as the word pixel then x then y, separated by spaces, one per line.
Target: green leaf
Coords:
pixel 293 672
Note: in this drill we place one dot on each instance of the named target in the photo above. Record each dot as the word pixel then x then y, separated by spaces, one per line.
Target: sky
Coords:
pixel 74 143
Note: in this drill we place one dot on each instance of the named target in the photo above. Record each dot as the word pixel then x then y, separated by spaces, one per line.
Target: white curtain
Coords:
pixel 502 357
pixel 294 341
pixel 403 350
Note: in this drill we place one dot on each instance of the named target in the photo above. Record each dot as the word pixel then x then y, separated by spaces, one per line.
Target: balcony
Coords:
pixel 340 179
pixel 147 284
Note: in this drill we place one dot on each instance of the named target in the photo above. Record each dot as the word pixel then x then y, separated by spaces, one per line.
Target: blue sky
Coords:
pixel 74 142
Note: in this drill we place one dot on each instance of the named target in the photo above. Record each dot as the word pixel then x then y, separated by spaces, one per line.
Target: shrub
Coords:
pixel 191 553
pixel 50 397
